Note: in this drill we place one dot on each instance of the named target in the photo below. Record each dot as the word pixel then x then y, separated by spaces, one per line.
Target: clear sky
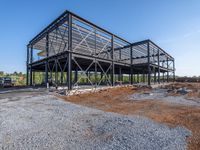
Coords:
pixel 173 24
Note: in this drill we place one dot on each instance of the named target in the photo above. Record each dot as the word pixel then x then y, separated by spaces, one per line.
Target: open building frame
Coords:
pixel 75 52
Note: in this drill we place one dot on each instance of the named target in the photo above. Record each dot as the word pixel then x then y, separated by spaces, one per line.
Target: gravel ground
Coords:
pixel 45 122
pixel 161 94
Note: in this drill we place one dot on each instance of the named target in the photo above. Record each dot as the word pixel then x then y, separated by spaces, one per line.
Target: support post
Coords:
pixel 154 75
pixel 167 69
pixel 27 67
pixel 31 70
pixel 34 78
pixel 95 61
pixel 69 77
pixel 47 55
pixel 51 74
pixel 113 66
pixel 88 76
pixel 56 73
pixel 131 65
pixel 76 75
pixel 163 77
pixel 158 66
pixel 149 69
pixel 61 75
pixel 95 74
pixel 143 77
pixel 120 74
pixel 174 77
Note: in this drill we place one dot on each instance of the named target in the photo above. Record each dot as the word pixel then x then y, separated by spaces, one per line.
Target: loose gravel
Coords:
pixel 46 122
pixel 162 94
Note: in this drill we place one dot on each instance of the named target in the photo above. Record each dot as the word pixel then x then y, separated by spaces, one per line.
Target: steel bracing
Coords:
pixel 73 51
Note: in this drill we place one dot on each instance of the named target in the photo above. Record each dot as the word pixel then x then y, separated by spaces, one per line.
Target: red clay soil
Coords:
pixel 116 100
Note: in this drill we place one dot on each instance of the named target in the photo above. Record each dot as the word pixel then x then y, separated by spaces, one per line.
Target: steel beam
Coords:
pixel 61 19
pixel 97 27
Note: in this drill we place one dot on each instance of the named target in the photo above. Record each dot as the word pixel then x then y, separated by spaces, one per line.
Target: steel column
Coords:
pixel 31 70
pixel 47 55
pixel 154 75
pixel 113 66
pixel 56 73
pixel 158 66
pixel 69 72
pixel 95 62
pixel 61 77
pixel 167 69
pixel 120 74
pixel 76 75
pixel 163 77
pixel 174 77
pixel 27 67
pixel 34 78
pixel 131 65
pixel 88 76
pixel 149 69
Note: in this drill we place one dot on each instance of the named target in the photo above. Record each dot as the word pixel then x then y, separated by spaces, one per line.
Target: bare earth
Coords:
pixel 116 118
pixel 117 100
pixel 39 120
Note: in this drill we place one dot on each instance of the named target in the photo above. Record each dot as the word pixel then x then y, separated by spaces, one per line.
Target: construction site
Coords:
pixel 98 91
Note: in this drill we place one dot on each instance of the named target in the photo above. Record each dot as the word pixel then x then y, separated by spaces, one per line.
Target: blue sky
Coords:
pixel 173 24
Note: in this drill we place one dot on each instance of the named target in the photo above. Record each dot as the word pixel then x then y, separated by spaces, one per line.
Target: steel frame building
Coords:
pixel 73 51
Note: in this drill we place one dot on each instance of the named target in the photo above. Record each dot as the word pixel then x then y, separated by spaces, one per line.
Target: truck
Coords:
pixel 5 82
